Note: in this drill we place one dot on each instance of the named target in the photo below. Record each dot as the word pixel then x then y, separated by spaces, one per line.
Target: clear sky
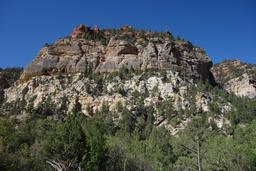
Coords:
pixel 225 28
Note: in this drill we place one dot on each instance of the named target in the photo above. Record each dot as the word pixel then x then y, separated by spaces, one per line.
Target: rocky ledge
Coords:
pixel 91 50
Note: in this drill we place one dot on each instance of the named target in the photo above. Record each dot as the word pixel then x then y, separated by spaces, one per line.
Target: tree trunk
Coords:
pixel 198 155
pixel 125 164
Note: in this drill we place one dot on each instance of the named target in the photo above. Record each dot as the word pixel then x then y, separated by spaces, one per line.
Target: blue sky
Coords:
pixel 225 28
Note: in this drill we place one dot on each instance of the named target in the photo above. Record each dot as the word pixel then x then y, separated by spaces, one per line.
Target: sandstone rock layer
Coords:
pixel 103 51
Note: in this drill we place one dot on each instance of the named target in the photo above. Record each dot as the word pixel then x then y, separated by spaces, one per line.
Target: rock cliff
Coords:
pixel 109 50
pixel 237 77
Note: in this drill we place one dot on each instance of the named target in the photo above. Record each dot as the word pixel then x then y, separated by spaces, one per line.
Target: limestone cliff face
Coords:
pixel 90 50
pixel 237 77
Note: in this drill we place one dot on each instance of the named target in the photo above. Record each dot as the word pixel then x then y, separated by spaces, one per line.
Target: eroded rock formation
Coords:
pixel 104 51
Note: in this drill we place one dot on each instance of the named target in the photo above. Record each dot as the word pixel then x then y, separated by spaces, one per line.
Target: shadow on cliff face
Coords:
pixel 3 85
pixel 8 77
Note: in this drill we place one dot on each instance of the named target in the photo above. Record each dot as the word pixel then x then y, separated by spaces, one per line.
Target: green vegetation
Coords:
pixel 97 143
pixel 97 36
pixel 73 141
pixel 132 35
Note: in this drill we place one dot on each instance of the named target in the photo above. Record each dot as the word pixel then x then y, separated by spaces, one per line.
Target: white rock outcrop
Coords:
pixel 241 86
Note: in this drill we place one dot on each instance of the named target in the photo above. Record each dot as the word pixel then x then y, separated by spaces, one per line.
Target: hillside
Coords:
pixel 125 99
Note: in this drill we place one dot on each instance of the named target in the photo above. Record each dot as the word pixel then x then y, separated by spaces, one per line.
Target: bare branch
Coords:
pixel 187 148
